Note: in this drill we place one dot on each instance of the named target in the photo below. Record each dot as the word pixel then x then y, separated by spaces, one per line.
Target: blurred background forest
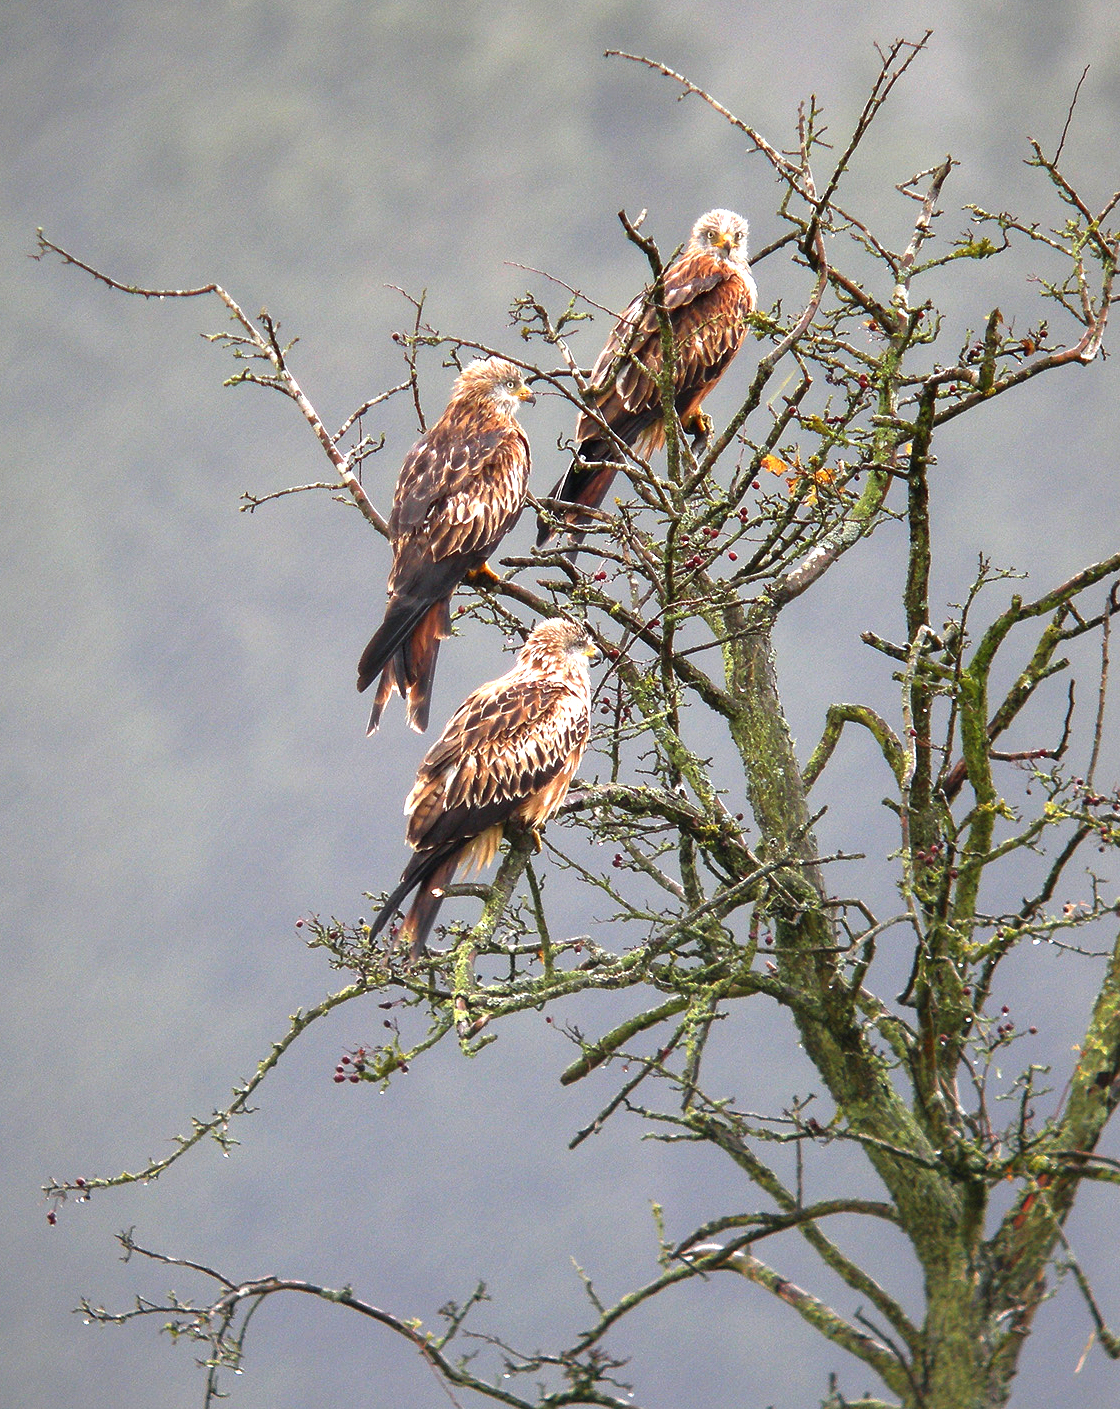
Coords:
pixel 185 769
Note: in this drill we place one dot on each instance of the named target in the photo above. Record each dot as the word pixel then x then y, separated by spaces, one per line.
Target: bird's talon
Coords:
pixel 699 428
pixel 483 576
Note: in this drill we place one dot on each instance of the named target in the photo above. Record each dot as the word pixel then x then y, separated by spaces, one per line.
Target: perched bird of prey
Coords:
pixel 709 290
pixel 459 492
pixel 509 751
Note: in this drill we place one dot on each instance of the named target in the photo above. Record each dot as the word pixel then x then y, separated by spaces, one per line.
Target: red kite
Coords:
pixel 709 290
pixel 460 491
pixel 509 751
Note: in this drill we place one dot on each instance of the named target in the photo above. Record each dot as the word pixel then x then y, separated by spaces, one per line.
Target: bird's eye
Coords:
pixel 511 384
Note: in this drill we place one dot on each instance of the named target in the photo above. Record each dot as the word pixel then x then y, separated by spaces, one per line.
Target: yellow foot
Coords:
pixel 538 845
pixel 699 427
pixel 483 576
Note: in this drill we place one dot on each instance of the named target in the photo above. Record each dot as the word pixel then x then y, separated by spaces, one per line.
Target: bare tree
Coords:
pixel 683 584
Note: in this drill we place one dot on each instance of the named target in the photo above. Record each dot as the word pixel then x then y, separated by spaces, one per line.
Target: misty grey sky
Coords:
pixel 185 771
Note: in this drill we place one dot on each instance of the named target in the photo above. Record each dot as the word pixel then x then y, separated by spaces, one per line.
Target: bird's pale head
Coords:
pixel 494 382
pixel 722 233
pixel 558 642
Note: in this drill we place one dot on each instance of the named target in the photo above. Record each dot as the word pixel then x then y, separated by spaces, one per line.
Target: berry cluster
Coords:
pixel 351 1067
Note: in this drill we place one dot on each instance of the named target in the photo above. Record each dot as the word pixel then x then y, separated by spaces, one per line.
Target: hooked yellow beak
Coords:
pixel 524 394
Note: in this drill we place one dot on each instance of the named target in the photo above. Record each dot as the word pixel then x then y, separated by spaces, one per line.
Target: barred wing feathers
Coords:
pixel 509 751
pixel 706 311
pixel 708 296
pixel 460 491
pixel 459 494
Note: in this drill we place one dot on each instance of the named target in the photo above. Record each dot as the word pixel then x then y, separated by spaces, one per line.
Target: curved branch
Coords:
pixel 266 347
pixel 836 717
pixel 217 1125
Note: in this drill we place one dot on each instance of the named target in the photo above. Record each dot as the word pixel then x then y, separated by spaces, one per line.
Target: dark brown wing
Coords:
pixel 460 491
pixel 511 749
pixel 707 301
pixel 506 743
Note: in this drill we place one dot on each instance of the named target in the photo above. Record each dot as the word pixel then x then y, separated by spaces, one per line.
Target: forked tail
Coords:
pixel 429 874
pixel 404 652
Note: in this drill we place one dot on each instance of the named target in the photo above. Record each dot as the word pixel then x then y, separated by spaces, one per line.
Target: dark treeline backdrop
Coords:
pixel 185 767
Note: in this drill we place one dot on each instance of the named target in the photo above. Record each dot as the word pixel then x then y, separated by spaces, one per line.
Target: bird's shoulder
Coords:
pixel 506 742
pixel 453 459
pixel 686 281
pixel 500 716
